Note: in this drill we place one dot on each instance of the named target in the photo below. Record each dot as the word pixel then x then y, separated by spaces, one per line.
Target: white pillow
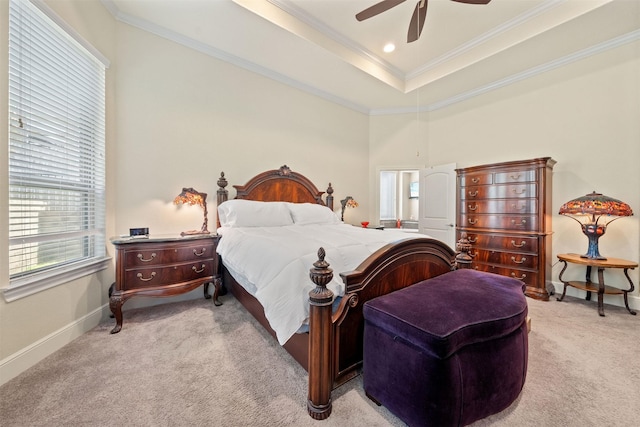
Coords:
pixel 311 213
pixel 251 213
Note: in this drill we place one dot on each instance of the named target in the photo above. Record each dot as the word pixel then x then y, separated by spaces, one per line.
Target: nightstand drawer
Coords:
pixel 163 255
pixel 159 276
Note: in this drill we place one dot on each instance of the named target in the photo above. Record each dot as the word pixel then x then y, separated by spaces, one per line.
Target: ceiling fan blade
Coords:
pixel 377 9
pixel 417 21
pixel 473 1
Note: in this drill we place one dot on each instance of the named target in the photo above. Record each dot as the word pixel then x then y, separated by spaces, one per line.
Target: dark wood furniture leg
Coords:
pixel 115 304
pixel 600 290
pixel 217 285
pixel 588 280
pixel 626 292
pixel 564 289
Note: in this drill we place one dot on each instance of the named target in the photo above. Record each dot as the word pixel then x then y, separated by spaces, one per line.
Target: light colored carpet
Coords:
pixel 193 364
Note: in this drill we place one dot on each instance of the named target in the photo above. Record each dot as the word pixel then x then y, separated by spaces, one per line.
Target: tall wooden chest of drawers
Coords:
pixel 504 209
pixel 162 267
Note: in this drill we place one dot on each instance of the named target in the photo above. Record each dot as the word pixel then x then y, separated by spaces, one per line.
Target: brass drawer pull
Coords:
pixel 515 191
pixel 522 222
pixel 472 239
pixel 472 221
pixel 140 257
pixel 514 206
pixel 522 260
pixel 196 270
pixel 515 177
pixel 514 244
pixel 475 180
pixel 473 207
pixel 195 252
pixel 519 278
pixel 153 274
pixel 473 193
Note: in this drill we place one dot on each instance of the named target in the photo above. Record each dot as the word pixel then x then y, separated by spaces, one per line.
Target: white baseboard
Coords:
pixel 17 363
pixel 14 365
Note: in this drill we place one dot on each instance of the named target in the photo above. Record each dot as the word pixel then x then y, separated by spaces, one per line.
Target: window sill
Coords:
pixel 23 287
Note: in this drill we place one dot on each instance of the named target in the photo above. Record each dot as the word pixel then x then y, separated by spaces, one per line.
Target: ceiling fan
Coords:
pixel 417 19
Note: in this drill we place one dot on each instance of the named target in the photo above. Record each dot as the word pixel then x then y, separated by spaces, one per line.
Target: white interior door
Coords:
pixel 437 210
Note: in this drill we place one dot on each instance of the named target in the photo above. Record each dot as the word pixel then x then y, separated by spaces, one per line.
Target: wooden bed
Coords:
pixel 331 351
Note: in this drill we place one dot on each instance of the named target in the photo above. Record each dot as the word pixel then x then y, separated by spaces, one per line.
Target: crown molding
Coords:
pixel 518 77
pixel 461 97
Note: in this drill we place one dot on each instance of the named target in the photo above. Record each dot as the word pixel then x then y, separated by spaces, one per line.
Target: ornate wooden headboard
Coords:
pixel 277 185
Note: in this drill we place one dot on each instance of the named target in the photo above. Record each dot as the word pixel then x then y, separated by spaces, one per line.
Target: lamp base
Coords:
pixel 593 233
pixel 193 233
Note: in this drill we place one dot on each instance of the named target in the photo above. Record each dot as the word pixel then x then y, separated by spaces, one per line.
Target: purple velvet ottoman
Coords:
pixel 449 350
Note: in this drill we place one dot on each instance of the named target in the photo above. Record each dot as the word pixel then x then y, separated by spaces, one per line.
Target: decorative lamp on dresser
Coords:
pixel 162 267
pixel 504 210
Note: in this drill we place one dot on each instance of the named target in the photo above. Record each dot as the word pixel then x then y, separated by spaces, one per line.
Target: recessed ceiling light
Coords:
pixel 389 47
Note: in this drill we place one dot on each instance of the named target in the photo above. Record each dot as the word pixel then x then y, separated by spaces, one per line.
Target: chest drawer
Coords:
pixel 504 242
pixel 506 259
pixel 530 278
pixel 503 222
pixel 510 191
pixel 516 176
pixel 166 255
pixel 476 179
pixel 518 206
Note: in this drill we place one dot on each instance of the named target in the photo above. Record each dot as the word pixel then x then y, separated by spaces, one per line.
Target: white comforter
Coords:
pixel 273 263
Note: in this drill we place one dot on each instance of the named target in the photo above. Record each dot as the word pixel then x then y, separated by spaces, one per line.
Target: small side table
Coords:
pixel 599 287
pixel 163 266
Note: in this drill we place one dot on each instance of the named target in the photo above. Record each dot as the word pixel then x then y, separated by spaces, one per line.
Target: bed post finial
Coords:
pixel 330 197
pixel 320 340
pixel 463 248
pixel 223 193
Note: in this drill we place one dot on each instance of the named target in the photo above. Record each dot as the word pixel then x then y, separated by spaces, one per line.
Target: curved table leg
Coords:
pixel 564 289
pixel 115 304
pixel 631 288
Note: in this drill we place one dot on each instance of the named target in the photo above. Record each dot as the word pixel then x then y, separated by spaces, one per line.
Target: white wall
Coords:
pixel 184 117
pixel 584 115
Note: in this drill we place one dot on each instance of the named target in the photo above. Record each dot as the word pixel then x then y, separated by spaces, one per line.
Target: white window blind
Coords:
pixel 388 186
pixel 56 148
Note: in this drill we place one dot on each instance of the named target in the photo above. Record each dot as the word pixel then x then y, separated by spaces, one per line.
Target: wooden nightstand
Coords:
pixel 163 266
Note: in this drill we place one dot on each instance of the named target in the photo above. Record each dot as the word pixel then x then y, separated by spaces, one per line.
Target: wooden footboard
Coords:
pixel 335 340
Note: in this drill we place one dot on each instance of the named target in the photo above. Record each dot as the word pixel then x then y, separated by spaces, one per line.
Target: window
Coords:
pixel 398 196
pixel 56 152
pixel 388 198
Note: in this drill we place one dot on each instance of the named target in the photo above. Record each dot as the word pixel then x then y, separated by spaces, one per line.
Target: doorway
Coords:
pixel 419 199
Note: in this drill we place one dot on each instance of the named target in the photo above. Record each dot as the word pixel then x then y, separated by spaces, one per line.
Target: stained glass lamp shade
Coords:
pixel 594 212
pixel 192 197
